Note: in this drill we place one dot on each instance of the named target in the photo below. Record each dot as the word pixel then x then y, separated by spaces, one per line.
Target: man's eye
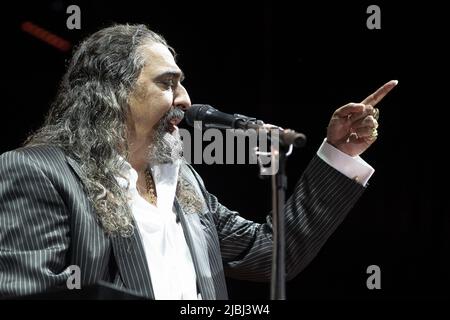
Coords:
pixel 169 83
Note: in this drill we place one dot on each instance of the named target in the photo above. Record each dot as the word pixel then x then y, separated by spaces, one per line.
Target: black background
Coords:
pixel 292 64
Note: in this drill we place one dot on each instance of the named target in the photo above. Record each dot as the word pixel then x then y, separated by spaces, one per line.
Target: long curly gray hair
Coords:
pixel 88 117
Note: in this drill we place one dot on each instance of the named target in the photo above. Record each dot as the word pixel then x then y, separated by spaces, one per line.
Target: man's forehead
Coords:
pixel 159 58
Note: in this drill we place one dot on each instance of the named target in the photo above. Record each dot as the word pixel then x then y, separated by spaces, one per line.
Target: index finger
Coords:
pixel 376 97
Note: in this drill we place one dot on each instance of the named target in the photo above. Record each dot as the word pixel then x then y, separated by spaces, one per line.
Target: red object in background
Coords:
pixel 46 36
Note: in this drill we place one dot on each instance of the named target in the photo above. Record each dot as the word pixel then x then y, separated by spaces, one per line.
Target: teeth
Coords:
pixel 175 121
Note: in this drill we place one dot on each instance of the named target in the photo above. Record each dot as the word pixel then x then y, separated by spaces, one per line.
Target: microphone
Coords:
pixel 213 118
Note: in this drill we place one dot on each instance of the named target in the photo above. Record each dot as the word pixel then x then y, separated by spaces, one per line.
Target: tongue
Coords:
pixel 171 127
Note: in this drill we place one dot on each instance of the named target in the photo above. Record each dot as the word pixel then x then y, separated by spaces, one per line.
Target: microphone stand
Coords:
pixel 284 141
pixel 279 188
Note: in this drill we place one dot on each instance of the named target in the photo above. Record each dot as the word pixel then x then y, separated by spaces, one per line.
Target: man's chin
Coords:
pixel 168 147
pixel 172 129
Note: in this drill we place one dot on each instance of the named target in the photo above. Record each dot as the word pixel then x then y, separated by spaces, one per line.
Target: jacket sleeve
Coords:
pixel 34 229
pixel 321 200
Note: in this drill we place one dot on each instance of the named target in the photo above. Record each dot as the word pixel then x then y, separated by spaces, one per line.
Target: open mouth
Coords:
pixel 173 118
pixel 173 123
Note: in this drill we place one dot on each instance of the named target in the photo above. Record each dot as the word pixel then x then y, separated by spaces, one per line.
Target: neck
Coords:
pixel 138 154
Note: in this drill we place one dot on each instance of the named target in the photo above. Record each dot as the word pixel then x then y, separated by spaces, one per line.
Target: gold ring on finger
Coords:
pixel 374 133
pixel 376 113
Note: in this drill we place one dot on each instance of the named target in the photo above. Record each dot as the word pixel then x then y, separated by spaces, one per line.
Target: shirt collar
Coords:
pixel 162 173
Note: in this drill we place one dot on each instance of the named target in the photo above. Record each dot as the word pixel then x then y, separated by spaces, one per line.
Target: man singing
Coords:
pixel 102 185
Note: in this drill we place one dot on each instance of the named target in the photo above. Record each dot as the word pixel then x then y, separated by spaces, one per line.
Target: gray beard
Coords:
pixel 166 147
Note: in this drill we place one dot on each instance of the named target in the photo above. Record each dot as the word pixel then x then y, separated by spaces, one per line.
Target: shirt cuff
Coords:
pixel 353 167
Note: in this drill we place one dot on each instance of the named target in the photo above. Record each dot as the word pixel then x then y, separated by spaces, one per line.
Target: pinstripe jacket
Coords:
pixel 48 224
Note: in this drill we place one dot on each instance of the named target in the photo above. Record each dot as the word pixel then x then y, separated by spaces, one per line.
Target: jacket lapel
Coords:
pixel 195 238
pixel 132 264
pixel 129 254
pixel 75 166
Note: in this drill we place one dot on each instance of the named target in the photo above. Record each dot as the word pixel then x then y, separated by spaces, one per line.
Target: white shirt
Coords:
pixel 168 257
pixel 353 167
pixel 169 260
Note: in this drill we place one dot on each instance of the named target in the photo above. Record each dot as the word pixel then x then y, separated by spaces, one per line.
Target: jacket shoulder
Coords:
pixel 49 159
pixel 36 153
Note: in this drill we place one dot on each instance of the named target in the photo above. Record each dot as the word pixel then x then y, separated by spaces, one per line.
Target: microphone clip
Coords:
pixel 243 122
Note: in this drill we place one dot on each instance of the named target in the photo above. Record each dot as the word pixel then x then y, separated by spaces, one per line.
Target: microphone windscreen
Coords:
pixel 195 112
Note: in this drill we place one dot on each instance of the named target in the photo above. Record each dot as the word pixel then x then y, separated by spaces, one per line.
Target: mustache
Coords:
pixel 174 113
pixel 164 123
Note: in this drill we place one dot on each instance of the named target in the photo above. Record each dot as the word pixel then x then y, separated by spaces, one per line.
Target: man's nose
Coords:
pixel 182 99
